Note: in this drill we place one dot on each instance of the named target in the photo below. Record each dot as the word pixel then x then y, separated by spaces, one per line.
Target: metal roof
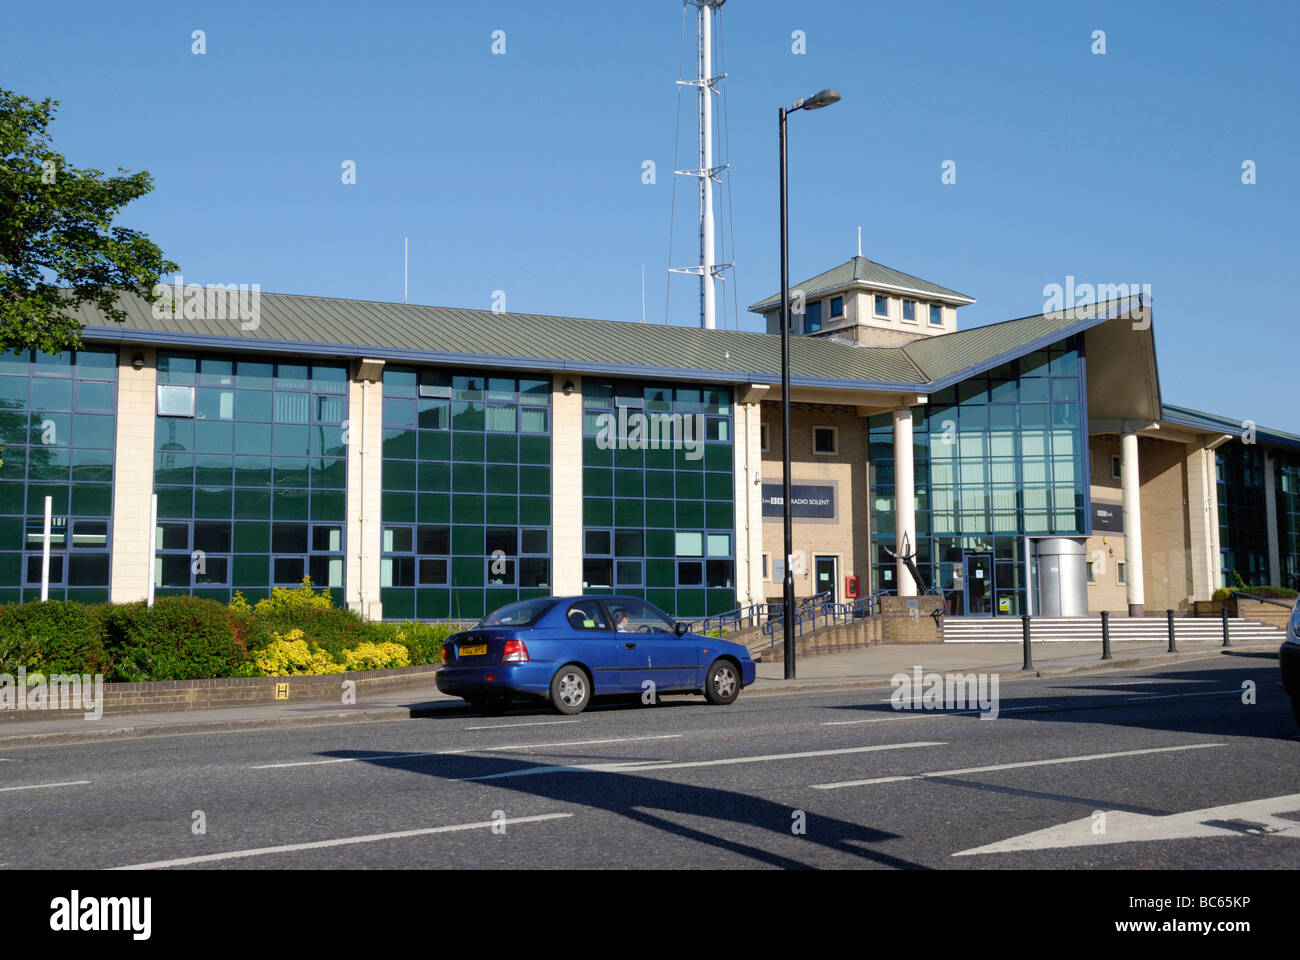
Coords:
pixel 319 326
pixel 1187 417
pixel 868 273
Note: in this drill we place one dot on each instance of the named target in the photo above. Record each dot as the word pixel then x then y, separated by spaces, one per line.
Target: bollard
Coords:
pixel 1105 634
pixel 1226 641
pixel 1029 655
pixel 1173 644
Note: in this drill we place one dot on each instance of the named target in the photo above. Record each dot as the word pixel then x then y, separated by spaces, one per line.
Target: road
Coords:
pixel 1122 769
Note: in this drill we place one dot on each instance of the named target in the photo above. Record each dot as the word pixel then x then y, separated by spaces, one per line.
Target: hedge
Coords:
pixel 187 638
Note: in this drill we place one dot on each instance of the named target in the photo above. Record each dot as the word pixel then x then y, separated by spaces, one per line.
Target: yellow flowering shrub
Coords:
pixel 290 656
pixel 376 656
pixel 282 600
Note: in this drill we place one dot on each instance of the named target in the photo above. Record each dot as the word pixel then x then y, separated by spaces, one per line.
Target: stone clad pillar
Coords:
pixel 566 486
pixel 133 461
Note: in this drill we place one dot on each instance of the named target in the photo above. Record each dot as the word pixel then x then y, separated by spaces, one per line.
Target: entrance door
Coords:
pixel 825 569
pixel 979 584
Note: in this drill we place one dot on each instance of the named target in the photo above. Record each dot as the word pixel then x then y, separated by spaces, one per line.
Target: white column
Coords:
pixel 904 497
pixel 1202 521
pixel 1132 521
pixel 1270 509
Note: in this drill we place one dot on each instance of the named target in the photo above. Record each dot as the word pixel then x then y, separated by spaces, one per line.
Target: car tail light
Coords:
pixel 446 652
pixel 515 652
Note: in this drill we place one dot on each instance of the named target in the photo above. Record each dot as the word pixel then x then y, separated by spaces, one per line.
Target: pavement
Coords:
pixel 861 668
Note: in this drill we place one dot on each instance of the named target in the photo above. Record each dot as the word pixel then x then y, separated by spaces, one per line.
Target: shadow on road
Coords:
pixel 643 800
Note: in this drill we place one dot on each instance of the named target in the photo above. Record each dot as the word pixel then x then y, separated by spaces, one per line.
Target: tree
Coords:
pixel 58 246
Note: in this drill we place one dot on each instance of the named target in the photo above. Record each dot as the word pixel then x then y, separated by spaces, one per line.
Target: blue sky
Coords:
pixel 522 172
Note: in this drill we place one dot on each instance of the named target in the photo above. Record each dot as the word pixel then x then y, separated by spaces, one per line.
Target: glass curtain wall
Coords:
pixel 997 457
pixel 250 470
pixel 658 495
pixel 58 416
pixel 466 492
pixel 1243 516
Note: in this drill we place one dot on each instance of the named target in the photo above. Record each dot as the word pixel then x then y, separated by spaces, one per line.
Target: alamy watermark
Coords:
pixel 1075 299
pixel 55 691
pixel 977 692
pixel 215 301
pixel 634 430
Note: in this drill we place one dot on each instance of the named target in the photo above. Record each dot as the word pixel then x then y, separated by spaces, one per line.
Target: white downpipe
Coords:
pixel 153 546
pixel 45 551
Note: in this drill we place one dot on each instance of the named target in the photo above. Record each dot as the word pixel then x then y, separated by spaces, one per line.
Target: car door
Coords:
pixel 650 649
pixel 591 641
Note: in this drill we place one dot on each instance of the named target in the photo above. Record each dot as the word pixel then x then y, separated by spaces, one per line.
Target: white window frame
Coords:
pixel 174 389
pixel 939 307
pixel 881 316
pixel 764 438
pixel 1121 572
pixel 903 310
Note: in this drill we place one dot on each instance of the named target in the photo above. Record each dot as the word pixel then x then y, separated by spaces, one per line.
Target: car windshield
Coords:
pixel 520 614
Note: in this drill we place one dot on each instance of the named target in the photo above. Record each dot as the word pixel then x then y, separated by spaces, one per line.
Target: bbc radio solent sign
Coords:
pixel 807 501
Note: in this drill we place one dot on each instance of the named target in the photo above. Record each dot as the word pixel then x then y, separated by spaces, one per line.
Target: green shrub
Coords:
pixel 1259 590
pixel 180 638
pixel 53 637
pixel 423 641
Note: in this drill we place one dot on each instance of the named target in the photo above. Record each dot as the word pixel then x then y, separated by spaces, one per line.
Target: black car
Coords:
pixel 1289 660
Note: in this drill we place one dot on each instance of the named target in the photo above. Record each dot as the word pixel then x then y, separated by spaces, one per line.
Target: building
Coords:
pixel 433 463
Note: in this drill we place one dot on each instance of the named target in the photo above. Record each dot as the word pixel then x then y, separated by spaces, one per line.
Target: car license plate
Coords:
pixel 478 650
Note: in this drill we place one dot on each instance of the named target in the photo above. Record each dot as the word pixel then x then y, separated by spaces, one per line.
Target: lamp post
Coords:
pixel 818 100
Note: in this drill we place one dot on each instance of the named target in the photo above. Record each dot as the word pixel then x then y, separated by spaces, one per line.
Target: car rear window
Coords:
pixel 520 614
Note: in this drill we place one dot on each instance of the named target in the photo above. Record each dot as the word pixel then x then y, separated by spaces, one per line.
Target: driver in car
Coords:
pixel 621 619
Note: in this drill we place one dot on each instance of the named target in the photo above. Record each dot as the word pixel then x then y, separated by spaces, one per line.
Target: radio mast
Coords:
pixel 708 269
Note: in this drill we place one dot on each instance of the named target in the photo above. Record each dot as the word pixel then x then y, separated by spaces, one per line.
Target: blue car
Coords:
pixel 566 650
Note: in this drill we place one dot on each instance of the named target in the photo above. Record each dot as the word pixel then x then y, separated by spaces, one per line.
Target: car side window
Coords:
pixel 586 615
pixel 636 616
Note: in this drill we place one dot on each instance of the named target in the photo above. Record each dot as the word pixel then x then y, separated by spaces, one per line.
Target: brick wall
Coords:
pixel 847 536
pixel 175 695
pixel 899 626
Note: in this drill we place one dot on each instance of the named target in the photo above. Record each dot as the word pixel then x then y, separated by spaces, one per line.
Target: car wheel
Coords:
pixel 722 685
pixel 570 689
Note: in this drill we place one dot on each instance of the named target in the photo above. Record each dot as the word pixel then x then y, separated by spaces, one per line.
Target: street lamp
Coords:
pixel 818 100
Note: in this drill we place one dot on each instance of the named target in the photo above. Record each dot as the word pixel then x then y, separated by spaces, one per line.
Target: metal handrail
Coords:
pixel 746 616
pixel 1273 600
pixel 830 613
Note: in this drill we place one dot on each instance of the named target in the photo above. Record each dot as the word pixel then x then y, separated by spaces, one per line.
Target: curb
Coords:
pixel 1014 674
pixel 115 733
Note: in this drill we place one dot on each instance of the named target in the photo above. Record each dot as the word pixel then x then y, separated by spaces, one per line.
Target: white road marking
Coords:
pixel 532 723
pixel 462 750
pixel 42 786
pixel 1171 696
pixel 935 714
pixel 1124 827
pixel 1010 766
pixel 636 766
pixel 340 842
